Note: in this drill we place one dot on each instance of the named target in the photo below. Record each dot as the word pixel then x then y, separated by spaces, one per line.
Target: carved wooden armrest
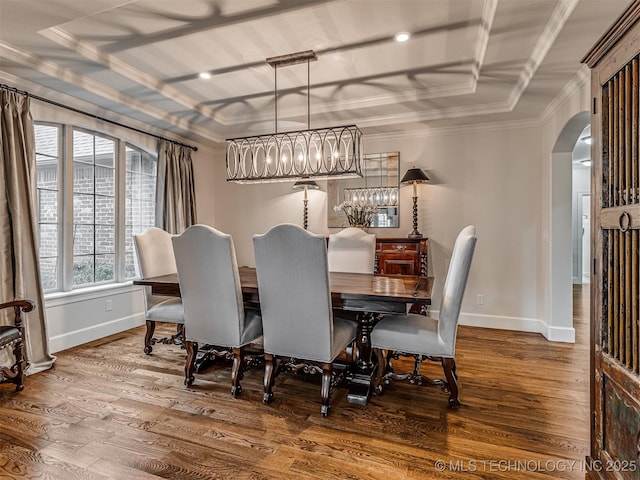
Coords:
pixel 24 305
pixel 19 306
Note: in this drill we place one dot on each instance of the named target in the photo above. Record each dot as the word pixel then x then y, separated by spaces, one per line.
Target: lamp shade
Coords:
pixel 414 175
pixel 310 184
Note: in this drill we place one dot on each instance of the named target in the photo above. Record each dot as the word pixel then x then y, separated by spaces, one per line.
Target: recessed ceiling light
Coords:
pixel 586 139
pixel 402 36
pixel 205 75
pixel 586 163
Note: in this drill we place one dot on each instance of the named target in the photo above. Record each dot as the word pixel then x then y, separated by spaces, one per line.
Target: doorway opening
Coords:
pixel 581 207
pixel 570 194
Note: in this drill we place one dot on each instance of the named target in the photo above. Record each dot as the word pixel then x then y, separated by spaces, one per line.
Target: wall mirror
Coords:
pixel 378 186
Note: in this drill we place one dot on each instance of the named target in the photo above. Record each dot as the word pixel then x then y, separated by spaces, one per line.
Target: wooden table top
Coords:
pixel 347 286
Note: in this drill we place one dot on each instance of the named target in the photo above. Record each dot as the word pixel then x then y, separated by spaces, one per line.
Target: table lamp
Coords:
pixel 414 175
pixel 306 185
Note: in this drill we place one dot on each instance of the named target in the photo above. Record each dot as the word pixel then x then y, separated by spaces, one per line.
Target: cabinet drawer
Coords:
pixel 398 247
pixel 398 264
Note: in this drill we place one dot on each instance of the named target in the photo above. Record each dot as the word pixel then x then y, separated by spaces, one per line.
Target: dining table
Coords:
pixel 367 295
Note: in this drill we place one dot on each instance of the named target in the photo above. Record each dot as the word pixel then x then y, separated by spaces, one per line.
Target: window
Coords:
pixel 103 190
pixel 140 200
pixel 47 165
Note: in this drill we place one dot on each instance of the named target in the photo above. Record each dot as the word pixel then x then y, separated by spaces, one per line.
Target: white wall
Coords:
pixel 490 178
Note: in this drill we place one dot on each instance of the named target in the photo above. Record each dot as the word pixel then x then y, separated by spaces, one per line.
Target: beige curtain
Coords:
pixel 19 267
pixel 175 191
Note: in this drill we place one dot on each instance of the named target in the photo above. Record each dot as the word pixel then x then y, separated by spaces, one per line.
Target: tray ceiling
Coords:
pixel 467 62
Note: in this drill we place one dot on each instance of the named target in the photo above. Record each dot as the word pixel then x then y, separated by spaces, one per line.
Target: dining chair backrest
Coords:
pixel 454 285
pixel 352 250
pixel 154 252
pixel 210 286
pixel 295 297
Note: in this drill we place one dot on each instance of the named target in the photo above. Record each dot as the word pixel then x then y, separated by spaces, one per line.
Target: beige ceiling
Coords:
pixel 468 62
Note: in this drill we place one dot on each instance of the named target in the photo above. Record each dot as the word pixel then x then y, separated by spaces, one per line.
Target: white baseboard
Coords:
pixel 94 332
pixel 520 324
pixel 559 334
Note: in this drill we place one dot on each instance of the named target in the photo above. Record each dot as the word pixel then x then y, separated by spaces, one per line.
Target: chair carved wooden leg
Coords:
pixel 14 336
pixel 18 351
pixel 237 371
pixel 269 368
pixel 381 370
pixel 189 368
pixel 449 367
pixel 148 337
pixel 385 374
pixel 327 386
pixel 178 338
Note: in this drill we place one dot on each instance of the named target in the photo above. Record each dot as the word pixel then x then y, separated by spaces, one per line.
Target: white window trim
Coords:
pixel 66 293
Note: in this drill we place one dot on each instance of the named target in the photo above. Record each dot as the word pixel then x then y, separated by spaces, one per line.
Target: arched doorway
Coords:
pixel 562 256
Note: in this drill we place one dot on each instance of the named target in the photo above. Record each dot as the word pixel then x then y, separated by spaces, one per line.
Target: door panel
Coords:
pixel 615 235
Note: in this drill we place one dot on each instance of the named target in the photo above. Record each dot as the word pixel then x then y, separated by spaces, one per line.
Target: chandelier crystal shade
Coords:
pixel 319 153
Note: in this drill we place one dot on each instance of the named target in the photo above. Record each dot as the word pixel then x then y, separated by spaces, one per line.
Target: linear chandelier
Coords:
pixel 318 153
pixel 379 196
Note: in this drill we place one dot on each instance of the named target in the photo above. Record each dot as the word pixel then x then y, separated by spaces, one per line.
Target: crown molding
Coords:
pixel 568 91
pixel 453 130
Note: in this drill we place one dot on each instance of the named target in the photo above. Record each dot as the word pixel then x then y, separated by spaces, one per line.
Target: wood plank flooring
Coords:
pixel 107 411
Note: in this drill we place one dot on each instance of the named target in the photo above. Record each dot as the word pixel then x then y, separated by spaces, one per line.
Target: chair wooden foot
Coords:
pixel 269 367
pixel 148 337
pixel 325 392
pixel 449 367
pixel 381 370
pixel 189 368
pixel 236 371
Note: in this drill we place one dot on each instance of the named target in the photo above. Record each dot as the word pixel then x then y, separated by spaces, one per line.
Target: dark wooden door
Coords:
pixel 615 290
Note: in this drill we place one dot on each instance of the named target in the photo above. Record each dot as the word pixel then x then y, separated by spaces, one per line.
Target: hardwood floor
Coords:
pixel 107 411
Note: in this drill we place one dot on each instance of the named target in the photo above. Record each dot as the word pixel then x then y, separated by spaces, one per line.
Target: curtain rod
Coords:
pixel 82 112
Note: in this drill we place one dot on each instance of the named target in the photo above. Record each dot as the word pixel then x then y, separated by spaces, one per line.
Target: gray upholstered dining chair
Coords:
pixel 300 329
pixel 423 337
pixel 154 251
pixel 352 250
pixel 214 311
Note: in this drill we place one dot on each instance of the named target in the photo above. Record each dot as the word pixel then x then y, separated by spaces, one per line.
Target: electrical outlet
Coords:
pixel 480 299
pixel 108 305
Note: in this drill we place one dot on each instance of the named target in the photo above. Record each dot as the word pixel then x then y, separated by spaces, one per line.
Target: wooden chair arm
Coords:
pixel 24 305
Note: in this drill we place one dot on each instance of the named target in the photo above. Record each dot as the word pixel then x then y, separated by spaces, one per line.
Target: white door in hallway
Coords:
pixel 586 238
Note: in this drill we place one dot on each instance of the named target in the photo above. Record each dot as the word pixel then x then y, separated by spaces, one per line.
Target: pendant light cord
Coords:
pixel 275 93
pixel 308 95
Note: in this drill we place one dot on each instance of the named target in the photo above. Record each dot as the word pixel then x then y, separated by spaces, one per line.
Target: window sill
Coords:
pixel 56 299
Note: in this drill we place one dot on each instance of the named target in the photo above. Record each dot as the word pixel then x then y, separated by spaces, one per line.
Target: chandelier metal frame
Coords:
pixel 319 153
